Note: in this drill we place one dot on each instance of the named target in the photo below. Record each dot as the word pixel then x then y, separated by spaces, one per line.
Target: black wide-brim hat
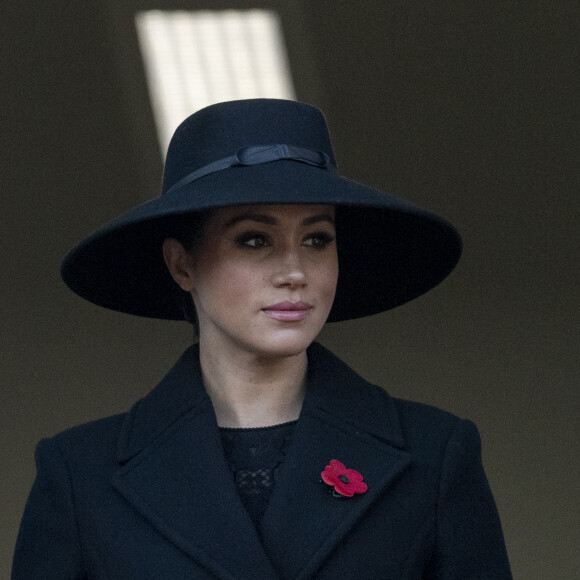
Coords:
pixel 264 151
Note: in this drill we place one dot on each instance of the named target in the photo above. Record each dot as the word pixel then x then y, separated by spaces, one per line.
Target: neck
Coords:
pixel 250 391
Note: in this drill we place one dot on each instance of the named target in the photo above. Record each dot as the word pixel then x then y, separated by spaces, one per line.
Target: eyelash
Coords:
pixel 320 240
pixel 243 241
pixel 323 240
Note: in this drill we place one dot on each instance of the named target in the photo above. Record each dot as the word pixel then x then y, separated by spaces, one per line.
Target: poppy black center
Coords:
pixel 344 479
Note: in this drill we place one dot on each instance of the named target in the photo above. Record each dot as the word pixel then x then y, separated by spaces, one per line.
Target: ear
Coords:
pixel 179 263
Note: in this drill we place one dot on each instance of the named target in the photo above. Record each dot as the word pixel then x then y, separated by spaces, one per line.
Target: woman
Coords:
pixel 261 455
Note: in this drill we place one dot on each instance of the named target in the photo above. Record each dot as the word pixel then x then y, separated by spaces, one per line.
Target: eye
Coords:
pixel 319 240
pixel 252 240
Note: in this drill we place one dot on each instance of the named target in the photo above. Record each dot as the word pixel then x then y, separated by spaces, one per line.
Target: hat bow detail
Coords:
pixel 257 155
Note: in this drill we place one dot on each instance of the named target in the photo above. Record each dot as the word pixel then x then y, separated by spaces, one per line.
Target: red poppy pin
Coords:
pixel 342 482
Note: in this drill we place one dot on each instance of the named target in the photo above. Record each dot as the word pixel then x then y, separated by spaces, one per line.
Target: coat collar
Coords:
pixel 333 388
pixel 170 443
pixel 180 391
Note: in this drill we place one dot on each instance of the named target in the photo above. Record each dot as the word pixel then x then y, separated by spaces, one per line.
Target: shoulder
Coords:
pixel 418 418
pixel 90 443
pixel 178 391
pixel 431 431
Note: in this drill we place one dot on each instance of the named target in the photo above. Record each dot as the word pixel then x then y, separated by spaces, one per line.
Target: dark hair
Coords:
pixel 188 230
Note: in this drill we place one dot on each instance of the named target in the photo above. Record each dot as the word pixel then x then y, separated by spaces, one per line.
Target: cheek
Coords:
pixel 327 277
pixel 226 284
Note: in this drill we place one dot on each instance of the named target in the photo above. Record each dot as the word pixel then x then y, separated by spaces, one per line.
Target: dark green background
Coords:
pixel 468 108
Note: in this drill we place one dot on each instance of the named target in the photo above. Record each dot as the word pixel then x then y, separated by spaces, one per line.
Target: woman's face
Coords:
pixel 263 277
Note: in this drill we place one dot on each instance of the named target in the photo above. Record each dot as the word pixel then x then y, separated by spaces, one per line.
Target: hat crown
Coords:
pixel 218 131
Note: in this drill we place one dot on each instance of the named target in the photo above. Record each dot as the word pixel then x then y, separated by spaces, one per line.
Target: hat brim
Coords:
pixel 390 251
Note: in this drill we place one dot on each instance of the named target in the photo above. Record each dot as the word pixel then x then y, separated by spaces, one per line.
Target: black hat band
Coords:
pixel 257 155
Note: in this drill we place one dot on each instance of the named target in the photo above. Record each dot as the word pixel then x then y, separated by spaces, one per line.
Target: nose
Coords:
pixel 289 271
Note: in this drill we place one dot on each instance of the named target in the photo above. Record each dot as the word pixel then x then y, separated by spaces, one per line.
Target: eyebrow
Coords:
pixel 272 221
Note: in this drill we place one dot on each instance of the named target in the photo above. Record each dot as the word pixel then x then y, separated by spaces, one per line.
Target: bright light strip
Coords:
pixel 194 59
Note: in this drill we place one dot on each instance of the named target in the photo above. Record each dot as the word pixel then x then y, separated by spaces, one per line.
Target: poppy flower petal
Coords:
pixel 328 477
pixel 359 487
pixel 353 475
pixel 344 489
pixel 337 466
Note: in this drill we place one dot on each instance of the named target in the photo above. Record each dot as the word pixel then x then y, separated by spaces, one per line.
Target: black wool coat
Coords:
pixel 148 494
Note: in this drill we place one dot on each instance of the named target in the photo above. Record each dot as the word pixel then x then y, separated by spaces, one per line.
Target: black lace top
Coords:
pixel 254 456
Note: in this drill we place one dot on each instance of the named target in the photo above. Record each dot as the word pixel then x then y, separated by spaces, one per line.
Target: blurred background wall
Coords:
pixel 468 108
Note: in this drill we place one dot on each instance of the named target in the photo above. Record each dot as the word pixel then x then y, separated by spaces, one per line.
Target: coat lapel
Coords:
pixel 343 418
pixel 170 443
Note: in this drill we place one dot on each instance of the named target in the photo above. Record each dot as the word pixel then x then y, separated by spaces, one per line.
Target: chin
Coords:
pixel 287 346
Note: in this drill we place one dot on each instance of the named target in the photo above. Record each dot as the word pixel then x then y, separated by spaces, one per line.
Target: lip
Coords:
pixel 288 311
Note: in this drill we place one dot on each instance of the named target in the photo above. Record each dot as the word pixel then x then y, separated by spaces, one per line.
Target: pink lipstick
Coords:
pixel 288 311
